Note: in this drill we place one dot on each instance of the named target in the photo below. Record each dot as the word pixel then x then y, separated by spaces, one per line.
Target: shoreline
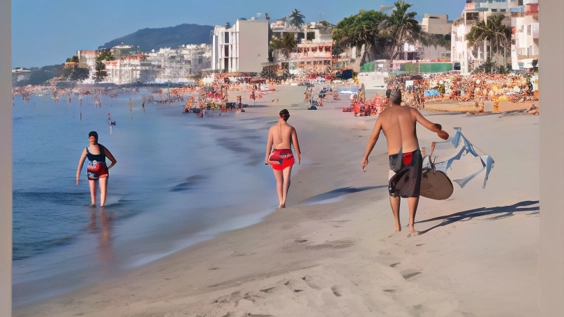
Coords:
pixel 47 266
pixel 340 257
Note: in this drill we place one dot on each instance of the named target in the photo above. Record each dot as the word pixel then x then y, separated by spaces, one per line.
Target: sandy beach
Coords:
pixel 333 252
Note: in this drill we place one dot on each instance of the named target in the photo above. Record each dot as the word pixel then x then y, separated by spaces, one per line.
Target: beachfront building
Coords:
pixel 475 12
pixel 177 65
pixel 240 48
pixel 161 66
pixel 311 57
pixel 314 51
pixel 122 50
pixel 525 35
pixel 87 59
pixel 20 75
pixel 125 70
pixel 348 57
pixel 436 24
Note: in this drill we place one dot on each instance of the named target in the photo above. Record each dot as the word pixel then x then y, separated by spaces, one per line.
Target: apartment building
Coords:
pixel 476 11
pixel 240 48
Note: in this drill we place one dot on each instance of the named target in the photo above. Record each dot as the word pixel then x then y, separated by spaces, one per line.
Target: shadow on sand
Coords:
pixel 339 192
pixel 497 213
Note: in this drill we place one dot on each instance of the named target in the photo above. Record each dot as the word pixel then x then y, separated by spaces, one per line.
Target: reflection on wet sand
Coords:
pixel 105 251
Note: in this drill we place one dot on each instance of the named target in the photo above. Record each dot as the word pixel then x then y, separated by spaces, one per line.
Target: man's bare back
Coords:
pixel 398 125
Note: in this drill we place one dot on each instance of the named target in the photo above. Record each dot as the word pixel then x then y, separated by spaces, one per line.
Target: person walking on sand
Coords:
pixel 97 169
pixel 281 137
pixel 399 126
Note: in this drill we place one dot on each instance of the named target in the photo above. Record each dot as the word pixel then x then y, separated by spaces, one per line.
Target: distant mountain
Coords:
pixel 174 36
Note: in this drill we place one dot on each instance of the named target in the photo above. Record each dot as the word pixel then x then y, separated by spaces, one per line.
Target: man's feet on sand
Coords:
pixel 413 234
pixel 282 206
pixel 92 205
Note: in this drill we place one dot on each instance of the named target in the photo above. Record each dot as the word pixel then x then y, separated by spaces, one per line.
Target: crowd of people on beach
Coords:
pixel 476 88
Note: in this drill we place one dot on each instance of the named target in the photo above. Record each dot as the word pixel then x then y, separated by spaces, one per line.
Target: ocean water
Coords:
pixel 178 180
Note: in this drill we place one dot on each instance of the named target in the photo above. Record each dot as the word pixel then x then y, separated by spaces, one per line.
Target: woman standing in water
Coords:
pixel 281 137
pixel 97 169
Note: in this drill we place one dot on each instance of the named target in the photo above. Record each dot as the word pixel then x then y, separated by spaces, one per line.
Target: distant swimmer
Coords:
pixel 405 160
pixel 97 169
pixel 112 123
pixel 281 137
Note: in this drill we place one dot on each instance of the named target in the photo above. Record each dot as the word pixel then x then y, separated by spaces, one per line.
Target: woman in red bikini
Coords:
pixel 97 169
pixel 279 155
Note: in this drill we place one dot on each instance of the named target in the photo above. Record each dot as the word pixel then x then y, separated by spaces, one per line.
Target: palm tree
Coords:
pixel 285 45
pixel 296 18
pixel 492 32
pixel 401 27
pixel 105 55
pixel 478 35
pixel 434 40
pixel 501 34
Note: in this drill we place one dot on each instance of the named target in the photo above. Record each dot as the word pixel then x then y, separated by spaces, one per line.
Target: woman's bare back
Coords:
pixel 281 135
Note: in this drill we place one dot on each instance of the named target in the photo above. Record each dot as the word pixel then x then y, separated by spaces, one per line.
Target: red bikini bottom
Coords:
pixel 280 159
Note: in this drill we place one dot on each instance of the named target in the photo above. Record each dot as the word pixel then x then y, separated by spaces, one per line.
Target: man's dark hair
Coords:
pixel 395 96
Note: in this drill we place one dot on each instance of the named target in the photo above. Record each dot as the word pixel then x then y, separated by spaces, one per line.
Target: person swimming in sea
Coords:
pixel 281 137
pixel 97 169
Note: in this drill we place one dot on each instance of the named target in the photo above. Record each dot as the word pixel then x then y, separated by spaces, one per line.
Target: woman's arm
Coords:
pixel 296 145
pixel 80 164
pixel 110 157
pixel 268 147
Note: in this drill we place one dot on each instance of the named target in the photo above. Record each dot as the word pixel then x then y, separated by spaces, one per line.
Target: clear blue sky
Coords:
pixel 46 32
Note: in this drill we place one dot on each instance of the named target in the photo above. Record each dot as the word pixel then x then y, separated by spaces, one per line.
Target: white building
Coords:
pixel 87 59
pixel 177 65
pixel 241 48
pixel 20 75
pixel 125 70
pixel 475 12
pixel 436 24
pixel 165 65
pixel 525 37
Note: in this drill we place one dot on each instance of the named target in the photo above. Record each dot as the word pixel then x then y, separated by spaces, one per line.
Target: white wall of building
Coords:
pixel 436 24
pixel 526 48
pixel 252 45
pixel 241 48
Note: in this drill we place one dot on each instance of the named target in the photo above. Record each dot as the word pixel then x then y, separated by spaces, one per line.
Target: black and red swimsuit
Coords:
pixel 96 164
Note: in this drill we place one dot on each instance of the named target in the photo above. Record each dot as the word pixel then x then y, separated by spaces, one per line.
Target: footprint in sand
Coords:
pixel 267 290
pixel 337 244
pixel 336 291
pixel 407 274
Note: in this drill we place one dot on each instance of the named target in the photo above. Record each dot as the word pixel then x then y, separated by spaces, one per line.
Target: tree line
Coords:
pixel 383 36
